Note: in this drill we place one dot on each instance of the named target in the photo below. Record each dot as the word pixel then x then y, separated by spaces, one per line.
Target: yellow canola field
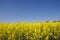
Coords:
pixel 30 31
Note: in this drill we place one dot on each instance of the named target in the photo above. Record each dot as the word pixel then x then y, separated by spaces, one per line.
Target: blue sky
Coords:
pixel 29 10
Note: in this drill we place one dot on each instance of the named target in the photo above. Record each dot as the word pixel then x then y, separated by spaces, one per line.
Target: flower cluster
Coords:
pixel 30 31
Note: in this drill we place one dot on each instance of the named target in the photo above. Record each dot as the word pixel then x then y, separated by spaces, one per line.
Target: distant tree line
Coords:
pixel 54 21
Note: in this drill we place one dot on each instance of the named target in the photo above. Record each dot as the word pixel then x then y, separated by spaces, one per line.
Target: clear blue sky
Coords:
pixel 29 10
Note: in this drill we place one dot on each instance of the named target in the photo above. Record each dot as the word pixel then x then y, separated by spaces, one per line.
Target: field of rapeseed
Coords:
pixel 30 31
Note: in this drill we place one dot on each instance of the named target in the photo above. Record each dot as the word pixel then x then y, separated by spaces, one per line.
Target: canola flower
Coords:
pixel 30 31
